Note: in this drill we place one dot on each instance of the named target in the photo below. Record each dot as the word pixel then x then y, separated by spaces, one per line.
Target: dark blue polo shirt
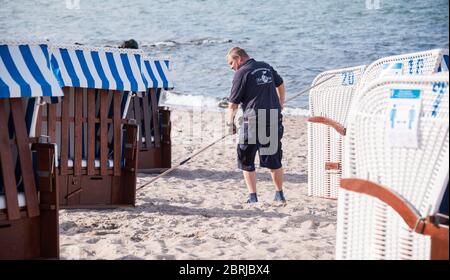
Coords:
pixel 254 87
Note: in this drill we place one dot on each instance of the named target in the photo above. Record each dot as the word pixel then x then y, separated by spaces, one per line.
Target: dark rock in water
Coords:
pixel 223 103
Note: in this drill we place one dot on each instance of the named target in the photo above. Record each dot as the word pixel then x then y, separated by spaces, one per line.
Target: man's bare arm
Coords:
pixel 281 94
pixel 232 111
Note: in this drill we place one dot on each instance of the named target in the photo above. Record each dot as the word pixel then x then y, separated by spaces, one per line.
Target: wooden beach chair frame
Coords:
pixel 154 142
pixel 155 146
pixel 97 146
pixel 29 226
pixel 93 182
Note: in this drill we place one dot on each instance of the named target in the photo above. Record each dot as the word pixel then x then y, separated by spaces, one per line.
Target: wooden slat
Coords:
pixel 44 168
pixel 78 131
pixel 117 131
pixel 147 125
pixel 103 132
pixel 138 117
pixel 38 131
pixel 51 122
pixel 65 131
pixel 155 118
pixel 91 132
pixel 49 202
pixel 130 145
pixel 26 164
pixel 9 182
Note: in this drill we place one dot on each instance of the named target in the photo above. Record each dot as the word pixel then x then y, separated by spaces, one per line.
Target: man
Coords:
pixel 260 91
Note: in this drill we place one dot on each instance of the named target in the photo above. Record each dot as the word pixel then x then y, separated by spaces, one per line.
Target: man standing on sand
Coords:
pixel 259 89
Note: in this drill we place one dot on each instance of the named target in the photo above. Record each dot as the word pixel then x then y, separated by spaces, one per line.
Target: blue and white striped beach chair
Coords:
pixel 153 121
pixel 97 161
pixel 28 200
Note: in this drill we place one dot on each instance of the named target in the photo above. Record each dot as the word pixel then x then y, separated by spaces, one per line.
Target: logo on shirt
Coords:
pixel 263 79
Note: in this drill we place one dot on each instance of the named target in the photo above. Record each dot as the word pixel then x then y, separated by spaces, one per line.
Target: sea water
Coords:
pixel 299 38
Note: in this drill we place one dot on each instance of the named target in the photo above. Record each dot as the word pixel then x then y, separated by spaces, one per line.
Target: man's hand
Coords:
pixel 232 110
pixel 231 128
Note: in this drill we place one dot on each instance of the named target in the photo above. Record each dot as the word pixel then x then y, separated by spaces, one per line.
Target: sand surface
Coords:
pixel 199 210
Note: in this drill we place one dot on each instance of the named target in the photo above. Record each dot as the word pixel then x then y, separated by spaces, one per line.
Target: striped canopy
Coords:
pixel 443 67
pixel 156 73
pixel 100 68
pixel 25 71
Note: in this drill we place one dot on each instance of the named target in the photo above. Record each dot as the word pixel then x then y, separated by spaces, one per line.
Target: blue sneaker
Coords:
pixel 252 198
pixel 279 196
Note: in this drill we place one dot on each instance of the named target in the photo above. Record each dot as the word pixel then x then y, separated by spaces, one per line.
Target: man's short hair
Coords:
pixel 236 52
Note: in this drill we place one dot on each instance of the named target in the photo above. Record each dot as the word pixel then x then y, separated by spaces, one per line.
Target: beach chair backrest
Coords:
pixel 332 98
pixel 330 101
pixel 410 64
pixel 157 76
pixel 398 136
pixel 418 63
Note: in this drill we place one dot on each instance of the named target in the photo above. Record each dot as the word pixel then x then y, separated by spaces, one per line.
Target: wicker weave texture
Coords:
pixel 368 228
pixel 330 99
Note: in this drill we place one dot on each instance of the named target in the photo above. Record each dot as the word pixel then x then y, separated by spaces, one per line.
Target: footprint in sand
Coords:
pixel 130 257
pixel 93 240
pixel 165 257
pixel 272 249
pixel 65 226
pixel 103 232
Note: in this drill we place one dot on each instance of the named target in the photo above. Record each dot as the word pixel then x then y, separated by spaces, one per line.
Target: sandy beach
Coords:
pixel 199 210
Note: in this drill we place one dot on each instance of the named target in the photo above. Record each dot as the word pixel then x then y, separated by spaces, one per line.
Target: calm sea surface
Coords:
pixel 299 38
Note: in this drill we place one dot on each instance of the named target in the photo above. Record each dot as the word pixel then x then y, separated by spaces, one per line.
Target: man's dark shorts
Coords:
pixel 246 150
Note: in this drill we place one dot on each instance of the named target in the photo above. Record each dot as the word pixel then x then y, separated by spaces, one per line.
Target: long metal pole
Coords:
pixel 307 89
pixel 183 162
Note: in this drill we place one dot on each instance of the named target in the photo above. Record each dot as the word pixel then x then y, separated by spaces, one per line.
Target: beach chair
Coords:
pixel 410 64
pixel 398 136
pixel 97 147
pixel 154 122
pixel 329 103
pixel 28 186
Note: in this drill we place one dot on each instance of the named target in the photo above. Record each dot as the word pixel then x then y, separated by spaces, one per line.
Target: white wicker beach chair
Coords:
pixel 418 63
pixel 405 184
pixel 328 104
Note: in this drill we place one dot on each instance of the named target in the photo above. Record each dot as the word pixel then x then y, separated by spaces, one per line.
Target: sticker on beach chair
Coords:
pixel 416 66
pixel 348 78
pixel 391 69
pixel 439 89
pixel 403 117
